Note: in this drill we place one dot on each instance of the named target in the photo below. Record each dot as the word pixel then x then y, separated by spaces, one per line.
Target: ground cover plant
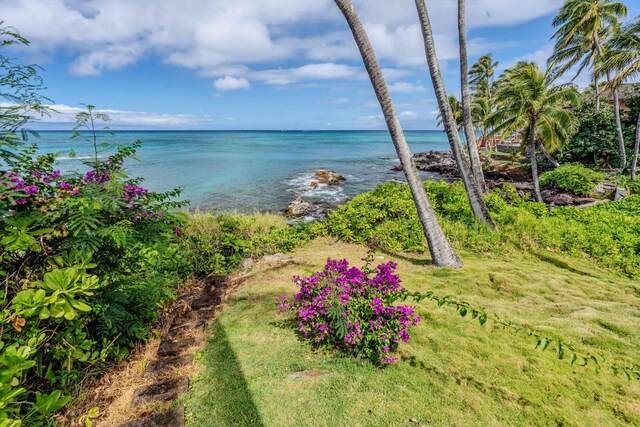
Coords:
pixel 351 310
pixel 573 178
pixel 607 233
pixel 452 371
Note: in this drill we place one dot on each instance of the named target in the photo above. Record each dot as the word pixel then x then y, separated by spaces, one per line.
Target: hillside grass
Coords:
pixel 452 372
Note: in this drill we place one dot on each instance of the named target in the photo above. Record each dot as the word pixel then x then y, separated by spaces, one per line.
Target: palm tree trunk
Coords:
pixel 595 84
pixel 534 161
pixel 553 161
pixel 636 145
pixel 441 250
pixel 621 147
pixel 478 205
pixel 616 110
pixel 469 133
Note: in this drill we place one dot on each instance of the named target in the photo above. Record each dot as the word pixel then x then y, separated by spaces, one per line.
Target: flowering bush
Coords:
pixel 87 260
pixel 351 310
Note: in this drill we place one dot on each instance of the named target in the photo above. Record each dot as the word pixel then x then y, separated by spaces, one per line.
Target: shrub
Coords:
pixel 607 233
pixel 573 177
pixel 350 310
pixel 86 261
pixel 220 241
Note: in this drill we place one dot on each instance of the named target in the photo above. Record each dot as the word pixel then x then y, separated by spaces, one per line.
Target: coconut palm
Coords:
pixel 478 205
pixel 483 103
pixel 623 59
pixel 441 250
pixel 469 131
pixel 583 28
pixel 481 110
pixel 456 108
pixel 529 103
pixel 481 76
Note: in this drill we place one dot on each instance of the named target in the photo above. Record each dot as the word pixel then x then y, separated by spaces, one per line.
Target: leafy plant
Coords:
pixel 574 178
pixel 351 310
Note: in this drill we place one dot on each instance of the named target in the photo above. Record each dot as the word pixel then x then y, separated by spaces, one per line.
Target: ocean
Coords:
pixel 252 170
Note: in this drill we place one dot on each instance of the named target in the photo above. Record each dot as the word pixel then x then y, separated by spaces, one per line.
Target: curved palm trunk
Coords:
pixel 616 110
pixel 469 133
pixel 478 206
pixel 534 161
pixel 636 145
pixel 441 251
pixel 553 161
pixel 597 89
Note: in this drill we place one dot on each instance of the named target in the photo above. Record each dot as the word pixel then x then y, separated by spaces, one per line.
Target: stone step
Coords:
pixel 172 348
pixel 160 367
pixel 164 391
pixel 173 417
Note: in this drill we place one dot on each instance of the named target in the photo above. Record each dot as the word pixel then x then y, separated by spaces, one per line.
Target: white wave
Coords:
pixel 301 185
pixel 79 158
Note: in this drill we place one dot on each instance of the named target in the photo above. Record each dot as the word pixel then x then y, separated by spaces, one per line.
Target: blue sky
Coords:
pixel 259 64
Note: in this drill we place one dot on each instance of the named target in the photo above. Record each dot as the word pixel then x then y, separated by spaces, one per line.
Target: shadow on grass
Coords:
pixel 560 263
pixel 232 397
pixel 404 257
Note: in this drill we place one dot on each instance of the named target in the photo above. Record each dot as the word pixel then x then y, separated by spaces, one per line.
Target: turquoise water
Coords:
pixel 249 171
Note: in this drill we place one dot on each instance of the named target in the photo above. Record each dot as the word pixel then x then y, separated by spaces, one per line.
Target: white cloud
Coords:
pixel 408 115
pixel 324 71
pixel 237 38
pixel 406 87
pixel 65 116
pixel 231 83
pixel 338 101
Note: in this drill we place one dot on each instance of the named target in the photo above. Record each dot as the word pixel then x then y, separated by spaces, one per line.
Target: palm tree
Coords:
pixel 478 205
pixel 441 250
pixel 456 108
pixel 483 104
pixel 481 110
pixel 529 103
pixel 481 76
pixel 469 131
pixel 624 59
pixel 583 28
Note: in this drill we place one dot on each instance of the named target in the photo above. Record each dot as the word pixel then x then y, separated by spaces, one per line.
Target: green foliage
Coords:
pixel 595 141
pixel 573 177
pixel 87 261
pixel 608 232
pixel 219 242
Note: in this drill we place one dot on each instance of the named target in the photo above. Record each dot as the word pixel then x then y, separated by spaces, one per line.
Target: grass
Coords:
pixel 452 372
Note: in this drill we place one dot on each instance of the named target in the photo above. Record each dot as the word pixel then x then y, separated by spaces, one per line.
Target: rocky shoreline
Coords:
pixel 442 163
pixel 498 174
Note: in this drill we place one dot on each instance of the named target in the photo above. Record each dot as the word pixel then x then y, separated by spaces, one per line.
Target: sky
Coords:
pixel 259 64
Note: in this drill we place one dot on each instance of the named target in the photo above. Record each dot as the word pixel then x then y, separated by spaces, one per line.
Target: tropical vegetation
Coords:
pixel 90 259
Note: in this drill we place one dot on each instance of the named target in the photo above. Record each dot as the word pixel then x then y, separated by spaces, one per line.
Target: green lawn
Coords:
pixel 452 372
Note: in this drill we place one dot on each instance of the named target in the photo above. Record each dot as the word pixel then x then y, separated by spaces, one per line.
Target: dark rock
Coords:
pixel 441 162
pixel 173 417
pixel 188 324
pixel 328 177
pixel 164 391
pixel 308 374
pixel 605 189
pixel 206 299
pixel 298 208
pixel 583 200
pixel 397 168
pixel 560 199
pixel 163 366
pixel 621 193
pixel 172 348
